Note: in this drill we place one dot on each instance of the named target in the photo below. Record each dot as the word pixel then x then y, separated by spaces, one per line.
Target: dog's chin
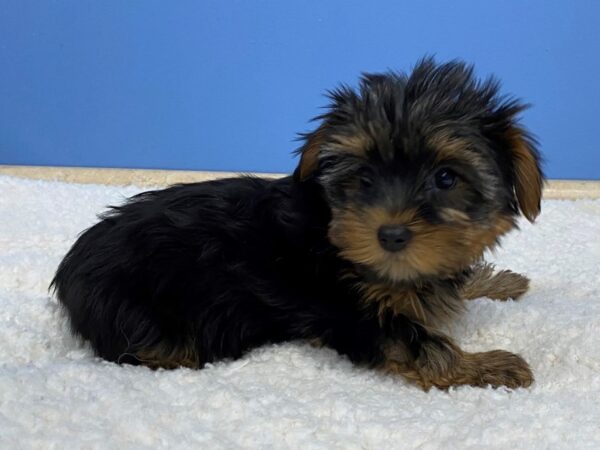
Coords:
pixel 397 269
pixel 407 266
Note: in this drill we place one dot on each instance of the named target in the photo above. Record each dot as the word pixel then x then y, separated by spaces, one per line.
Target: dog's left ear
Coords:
pixel 520 148
pixel 309 153
pixel 527 172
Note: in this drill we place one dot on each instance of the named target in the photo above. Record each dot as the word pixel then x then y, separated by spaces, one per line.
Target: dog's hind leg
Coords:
pixel 163 356
pixel 502 285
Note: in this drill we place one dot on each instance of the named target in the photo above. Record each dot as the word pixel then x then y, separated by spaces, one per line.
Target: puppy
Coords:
pixel 369 248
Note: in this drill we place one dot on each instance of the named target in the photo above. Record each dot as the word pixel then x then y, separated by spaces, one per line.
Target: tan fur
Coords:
pixel 163 357
pixel 453 215
pixel 425 304
pixel 400 301
pixel 528 178
pixel 448 146
pixel 309 158
pixel 355 144
pixel 502 285
pixel 434 250
pixel 316 342
pixel 442 364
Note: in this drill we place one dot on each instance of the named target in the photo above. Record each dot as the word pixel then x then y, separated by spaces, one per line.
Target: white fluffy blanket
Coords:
pixel 55 394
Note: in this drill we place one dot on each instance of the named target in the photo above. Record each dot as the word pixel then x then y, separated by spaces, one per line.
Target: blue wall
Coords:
pixel 225 85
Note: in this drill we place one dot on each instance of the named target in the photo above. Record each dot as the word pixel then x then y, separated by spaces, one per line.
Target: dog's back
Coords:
pixel 132 282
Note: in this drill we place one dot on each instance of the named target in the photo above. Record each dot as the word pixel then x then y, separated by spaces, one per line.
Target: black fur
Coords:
pixel 220 267
pixel 230 264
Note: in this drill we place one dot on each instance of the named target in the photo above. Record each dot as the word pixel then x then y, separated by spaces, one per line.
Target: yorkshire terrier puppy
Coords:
pixel 369 247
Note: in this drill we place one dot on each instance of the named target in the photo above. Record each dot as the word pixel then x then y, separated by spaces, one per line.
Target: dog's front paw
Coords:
pixel 502 285
pixel 441 363
pixel 506 285
pixel 498 368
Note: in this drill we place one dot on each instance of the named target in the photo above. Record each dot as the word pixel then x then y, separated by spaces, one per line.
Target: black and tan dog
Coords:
pixel 370 246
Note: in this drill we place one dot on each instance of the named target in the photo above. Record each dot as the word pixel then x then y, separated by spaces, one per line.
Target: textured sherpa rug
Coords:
pixel 55 394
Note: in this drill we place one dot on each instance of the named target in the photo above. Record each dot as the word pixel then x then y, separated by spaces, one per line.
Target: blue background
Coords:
pixel 226 85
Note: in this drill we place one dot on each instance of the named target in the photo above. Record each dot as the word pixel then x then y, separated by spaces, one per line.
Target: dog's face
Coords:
pixel 422 173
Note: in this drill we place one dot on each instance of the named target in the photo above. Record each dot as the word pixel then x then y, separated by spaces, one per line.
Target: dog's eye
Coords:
pixel 445 179
pixel 366 182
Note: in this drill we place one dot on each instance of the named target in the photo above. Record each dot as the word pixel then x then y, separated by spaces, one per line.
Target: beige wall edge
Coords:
pixel 565 189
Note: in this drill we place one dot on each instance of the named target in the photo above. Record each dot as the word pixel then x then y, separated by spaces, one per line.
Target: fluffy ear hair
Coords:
pixel 521 150
pixel 528 175
pixel 340 110
pixel 309 153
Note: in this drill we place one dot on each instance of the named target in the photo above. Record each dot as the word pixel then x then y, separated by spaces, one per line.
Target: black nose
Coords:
pixel 393 238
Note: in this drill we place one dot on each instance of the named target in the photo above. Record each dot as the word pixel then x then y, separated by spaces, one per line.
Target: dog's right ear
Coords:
pixel 309 153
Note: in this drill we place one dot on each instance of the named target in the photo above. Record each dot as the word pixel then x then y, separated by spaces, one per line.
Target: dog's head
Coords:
pixel 424 172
